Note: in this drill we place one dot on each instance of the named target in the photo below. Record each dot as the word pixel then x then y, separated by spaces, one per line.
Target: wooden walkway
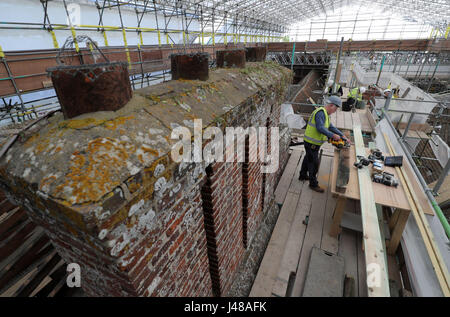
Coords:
pixel 304 222
pixel 343 120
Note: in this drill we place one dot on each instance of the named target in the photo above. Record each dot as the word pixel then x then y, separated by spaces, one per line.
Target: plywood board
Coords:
pixel 384 195
pixel 325 276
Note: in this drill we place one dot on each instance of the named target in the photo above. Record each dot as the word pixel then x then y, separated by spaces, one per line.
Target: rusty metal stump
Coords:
pixel 256 54
pixel 91 87
pixel 230 58
pixel 190 66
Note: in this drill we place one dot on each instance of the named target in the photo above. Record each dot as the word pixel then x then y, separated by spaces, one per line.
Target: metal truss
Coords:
pixel 301 58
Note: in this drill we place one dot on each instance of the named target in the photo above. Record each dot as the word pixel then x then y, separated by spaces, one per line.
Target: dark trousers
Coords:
pixel 310 165
pixel 347 105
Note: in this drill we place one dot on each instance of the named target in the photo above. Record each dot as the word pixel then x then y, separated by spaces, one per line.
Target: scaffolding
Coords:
pixel 144 33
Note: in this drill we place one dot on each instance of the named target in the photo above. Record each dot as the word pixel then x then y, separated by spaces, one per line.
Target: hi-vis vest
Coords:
pixel 354 94
pixel 312 135
pixel 330 90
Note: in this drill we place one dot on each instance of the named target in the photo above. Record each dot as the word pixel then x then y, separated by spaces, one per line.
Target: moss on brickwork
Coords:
pixel 78 163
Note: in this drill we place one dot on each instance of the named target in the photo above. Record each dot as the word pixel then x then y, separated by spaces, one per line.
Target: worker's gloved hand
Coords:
pixel 346 139
pixel 336 137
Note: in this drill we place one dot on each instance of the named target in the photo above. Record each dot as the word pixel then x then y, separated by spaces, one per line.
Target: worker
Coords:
pixel 338 92
pixel 386 93
pixel 355 95
pixel 395 92
pixel 318 131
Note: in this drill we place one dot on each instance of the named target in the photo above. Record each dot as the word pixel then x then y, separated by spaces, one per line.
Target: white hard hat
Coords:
pixel 386 90
pixel 362 90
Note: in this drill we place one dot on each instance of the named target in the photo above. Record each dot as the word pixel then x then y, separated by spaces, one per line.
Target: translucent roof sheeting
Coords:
pixel 283 15
pixel 360 22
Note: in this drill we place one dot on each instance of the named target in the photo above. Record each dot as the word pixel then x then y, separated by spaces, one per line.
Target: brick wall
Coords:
pixel 154 227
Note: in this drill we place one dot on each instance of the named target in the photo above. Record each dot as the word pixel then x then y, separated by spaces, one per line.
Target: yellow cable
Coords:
pixel 55 42
pixel 2 55
pixel 106 39
pixel 126 47
pixel 140 36
pixel 74 35
pixel 225 39
pixel 159 38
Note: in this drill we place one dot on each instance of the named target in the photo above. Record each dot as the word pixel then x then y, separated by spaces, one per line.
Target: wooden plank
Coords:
pixel 14 216
pixel 371 119
pixel 362 276
pixel 329 243
pixel 347 249
pixel 314 228
pixel 262 286
pixel 365 125
pixel 373 244
pixel 418 191
pixel 16 240
pixel 35 257
pixel 397 231
pixel 337 216
pixel 434 253
pixel 424 127
pixel 414 134
pixel 296 185
pixel 36 281
pixel 293 246
pixel 286 178
pixel 353 222
pixel 348 120
pixel 355 119
pixel 343 172
pixel 340 124
pixel 444 190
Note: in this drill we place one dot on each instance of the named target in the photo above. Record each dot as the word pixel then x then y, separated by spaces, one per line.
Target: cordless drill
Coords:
pixel 339 144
